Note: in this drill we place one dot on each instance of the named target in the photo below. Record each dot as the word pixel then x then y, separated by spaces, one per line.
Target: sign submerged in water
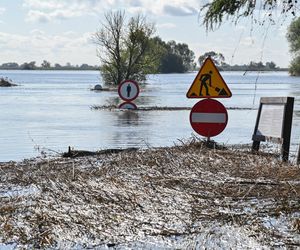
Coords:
pixel 128 90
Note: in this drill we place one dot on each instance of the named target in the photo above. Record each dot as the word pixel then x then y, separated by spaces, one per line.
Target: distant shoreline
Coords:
pixel 222 70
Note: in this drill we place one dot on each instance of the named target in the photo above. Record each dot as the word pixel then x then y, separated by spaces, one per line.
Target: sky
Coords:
pixel 60 31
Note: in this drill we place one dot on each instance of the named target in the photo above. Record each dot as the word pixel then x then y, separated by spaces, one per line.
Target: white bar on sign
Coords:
pixel 208 117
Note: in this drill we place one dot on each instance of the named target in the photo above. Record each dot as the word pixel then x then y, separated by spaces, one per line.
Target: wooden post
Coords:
pixel 287 128
pixel 298 157
pixel 256 143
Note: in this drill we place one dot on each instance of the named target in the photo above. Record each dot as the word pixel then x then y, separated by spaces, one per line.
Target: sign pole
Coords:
pixel 287 127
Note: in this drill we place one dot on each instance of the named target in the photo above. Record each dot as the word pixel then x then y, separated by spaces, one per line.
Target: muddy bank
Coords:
pixel 187 196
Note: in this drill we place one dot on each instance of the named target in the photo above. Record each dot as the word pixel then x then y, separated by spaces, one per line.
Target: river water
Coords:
pixel 51 110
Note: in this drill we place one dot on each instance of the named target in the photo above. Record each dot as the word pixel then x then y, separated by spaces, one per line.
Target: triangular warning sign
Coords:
pixel 209 83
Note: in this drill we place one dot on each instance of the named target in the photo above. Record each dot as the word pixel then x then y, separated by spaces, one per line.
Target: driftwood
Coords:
pixel 80 153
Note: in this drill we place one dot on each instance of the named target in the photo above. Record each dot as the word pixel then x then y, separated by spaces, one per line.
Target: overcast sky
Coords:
pixel 60 30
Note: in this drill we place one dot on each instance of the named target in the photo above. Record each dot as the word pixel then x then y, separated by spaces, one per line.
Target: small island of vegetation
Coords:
pixel 5 82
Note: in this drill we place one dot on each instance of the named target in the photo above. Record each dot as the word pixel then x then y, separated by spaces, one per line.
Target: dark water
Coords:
pixel 51 110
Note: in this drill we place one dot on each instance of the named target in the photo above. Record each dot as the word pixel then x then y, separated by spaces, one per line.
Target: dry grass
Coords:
pixel 118 198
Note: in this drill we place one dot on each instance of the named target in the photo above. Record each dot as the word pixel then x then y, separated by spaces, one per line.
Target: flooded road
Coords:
pixel 51 110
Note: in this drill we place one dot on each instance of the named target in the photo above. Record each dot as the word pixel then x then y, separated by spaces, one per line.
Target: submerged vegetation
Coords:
pixel 187 196
pixel 5 82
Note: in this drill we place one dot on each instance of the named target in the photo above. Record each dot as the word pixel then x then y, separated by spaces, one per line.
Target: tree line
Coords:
pixel 46 65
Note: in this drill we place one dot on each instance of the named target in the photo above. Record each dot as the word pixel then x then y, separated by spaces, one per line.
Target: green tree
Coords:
pixel 125 48
pixel 271 65
pixel 175 57
pixel 28 66
pixel 293 37
pixel 218 58
pixel 45 64
pixel 294 68
pixel 216 10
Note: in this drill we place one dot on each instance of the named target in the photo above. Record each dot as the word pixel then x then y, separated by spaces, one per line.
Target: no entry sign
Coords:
pixel 208 117
pixel 128 90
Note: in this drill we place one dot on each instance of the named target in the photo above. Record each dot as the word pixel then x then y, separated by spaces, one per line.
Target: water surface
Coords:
pixel 51 110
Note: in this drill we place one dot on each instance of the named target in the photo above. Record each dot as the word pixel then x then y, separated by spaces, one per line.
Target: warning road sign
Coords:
pixel 209 83
pixel 208 117
pixel 128 90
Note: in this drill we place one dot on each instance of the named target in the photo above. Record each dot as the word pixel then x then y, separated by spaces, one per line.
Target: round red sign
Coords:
pixel 127 105
pixel 128 90
pixel 208 117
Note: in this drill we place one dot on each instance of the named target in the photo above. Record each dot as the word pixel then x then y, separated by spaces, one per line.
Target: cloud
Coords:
pixel 166 25
pixel 247 41
pixel 180 10
pixel 45 11
pixel 77 48
pixel 2 10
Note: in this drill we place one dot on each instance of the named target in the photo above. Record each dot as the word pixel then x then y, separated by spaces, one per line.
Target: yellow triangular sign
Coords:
pixel 209 83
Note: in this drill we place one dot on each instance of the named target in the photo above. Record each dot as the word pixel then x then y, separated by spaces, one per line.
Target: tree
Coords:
pixel 45 64
pixel 175 57
pixel 271 65
pixel 216 10
pixel 182 50
pixel 10 65
pixel 28 66
pixel 294 68
pixel 293 37
pixel 125 49
pixel 218 58
pixel 57 66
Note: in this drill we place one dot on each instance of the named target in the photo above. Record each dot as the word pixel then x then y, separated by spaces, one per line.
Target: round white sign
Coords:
pixel 128 90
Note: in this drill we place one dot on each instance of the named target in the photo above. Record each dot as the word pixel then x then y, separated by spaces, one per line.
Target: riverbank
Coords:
pixel 186 196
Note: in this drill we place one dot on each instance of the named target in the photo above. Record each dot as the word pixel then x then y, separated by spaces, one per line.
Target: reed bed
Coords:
pixel 190 196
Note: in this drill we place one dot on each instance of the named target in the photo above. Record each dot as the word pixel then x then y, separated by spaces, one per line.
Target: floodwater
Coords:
pixel 51 110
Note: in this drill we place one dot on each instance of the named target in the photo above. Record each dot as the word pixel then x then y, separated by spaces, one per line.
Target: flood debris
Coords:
pixel 189 196
pixel 72 153
pixel 99 88
pixel 5 82
pixel 157 108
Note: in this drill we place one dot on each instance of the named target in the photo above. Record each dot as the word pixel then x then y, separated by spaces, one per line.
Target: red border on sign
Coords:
pixel 216 69
pixel 124 98
pixel 209 129
pixel 131 103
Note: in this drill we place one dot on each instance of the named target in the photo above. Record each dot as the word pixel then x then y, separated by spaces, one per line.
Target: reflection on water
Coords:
pixel 51 110
pixel 127 118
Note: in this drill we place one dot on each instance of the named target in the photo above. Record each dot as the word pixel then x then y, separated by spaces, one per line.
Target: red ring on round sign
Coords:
pixel 208 117
pixel 124 97
pixel 134 107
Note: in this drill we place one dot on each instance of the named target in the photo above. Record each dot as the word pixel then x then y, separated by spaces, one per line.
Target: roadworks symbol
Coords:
pixel 209 83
